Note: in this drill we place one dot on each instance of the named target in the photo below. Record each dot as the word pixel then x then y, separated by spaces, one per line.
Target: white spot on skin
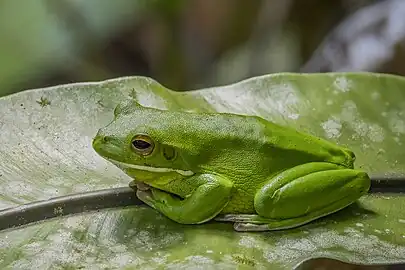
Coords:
pixel 342 84
pixel 332 128
pixel 401 220
pixel 329 102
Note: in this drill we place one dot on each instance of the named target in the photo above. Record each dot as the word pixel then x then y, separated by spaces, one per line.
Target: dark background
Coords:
pixel 196 43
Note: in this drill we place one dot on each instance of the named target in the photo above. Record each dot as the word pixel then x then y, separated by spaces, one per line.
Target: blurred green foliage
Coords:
pixel 192 44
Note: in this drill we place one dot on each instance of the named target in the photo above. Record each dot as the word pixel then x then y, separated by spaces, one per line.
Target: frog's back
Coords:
pixel 271 143
pixel 250 150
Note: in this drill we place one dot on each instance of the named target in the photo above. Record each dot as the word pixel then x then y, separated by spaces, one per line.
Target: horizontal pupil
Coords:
pixel 141 144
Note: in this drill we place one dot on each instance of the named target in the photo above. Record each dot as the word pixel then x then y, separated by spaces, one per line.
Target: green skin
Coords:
pixel 195 167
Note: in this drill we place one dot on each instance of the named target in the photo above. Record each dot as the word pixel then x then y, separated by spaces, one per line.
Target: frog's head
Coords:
pixel 142 142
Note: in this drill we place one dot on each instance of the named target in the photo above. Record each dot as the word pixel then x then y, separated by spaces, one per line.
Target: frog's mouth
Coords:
pixel 124 165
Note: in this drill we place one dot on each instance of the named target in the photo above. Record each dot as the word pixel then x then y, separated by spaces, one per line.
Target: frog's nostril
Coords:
pixel 107 139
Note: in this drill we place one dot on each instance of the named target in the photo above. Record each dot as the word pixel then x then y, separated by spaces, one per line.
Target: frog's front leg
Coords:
pixel 302 194
pixel 204 203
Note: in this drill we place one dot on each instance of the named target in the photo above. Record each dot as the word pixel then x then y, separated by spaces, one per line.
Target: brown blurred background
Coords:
pixel 196 43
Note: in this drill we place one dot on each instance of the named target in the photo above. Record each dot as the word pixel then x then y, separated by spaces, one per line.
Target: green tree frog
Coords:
pixel 196 167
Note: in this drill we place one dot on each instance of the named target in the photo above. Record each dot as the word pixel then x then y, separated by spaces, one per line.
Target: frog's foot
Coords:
pixel 244 218
pixel 192 209
pixel 249 227
pixel 142 186
pixel 245 223
pixel 155 198
pixel 138 185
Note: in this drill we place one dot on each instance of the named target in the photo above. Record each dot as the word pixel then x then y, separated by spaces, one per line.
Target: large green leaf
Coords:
pixel 45 151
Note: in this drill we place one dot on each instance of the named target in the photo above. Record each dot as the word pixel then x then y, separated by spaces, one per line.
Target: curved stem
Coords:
pixel 122 197
pixel 67 205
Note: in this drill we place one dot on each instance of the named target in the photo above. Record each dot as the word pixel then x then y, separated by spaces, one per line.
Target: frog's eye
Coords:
pixel 142 144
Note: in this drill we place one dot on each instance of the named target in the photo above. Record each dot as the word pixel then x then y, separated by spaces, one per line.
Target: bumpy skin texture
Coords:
pixel 235 168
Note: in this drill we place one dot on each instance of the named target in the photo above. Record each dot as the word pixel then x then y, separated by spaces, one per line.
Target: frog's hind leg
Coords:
pixel 258 223
pixel 300 195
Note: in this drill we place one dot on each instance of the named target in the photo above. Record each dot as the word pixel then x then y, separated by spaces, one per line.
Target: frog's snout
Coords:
pixel 104 142
pixel 97 140
pixel 102 139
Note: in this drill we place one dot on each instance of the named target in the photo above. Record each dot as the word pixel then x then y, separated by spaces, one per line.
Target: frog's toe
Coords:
pixel 133 184
pixel 235 217
pixel 250 227
pixel 226 218
pixel 142 186
pixel 138 185
pixel 144 195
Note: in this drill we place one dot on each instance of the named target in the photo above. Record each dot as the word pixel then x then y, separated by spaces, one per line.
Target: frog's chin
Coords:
pixel 125 166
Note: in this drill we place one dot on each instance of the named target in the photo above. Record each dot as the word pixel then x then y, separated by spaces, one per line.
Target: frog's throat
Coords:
pixel 150 169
